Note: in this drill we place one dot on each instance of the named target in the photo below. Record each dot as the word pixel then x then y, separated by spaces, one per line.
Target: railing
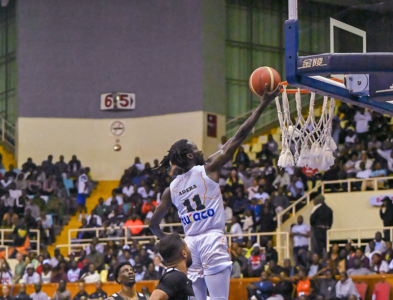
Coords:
pixel 6 243
pixel 322 185
pixel 8 132
pixel 282 249
pixel 360 232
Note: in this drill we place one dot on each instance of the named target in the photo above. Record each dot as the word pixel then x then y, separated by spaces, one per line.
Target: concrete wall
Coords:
pixel 171 54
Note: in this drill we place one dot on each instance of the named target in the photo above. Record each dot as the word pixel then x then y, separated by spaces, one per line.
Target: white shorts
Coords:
pixel 209 253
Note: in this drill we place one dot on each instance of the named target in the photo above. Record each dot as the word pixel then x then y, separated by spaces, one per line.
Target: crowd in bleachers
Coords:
pixel 253 193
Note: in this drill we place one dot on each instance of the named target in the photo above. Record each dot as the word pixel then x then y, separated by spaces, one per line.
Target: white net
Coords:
pixel 311 140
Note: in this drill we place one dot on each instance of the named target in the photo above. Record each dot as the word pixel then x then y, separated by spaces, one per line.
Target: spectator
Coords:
pixel 62 293
pixel 38 295
pixel 273 268
pixel 256 262
pixel 304 285
pixel 296 188
pixel 138 164
pixel 261 289
pixel 252 190
pixel 345 287
pixel 248 222
pixel 315 267
pixel 378 265
pixel 73 274
pixel 282 179
pixel 236 228
pixel 11 173
pixel 99 293
pixel 388 157
pixel 95 257
pixel 139 273
pixel 31 276
pixel 10 218
pixel 29 166
pixel 272 145
pixel 236 269
pixel 22 293
pixel 46 274
pixel 364 261
pixel 19 267
pixel 386 214
pixel 61 168
pixel 117 198
pixel 74 166
pixel 233 181
pixel 48 167
pixel 83 191
pixel 261 195
pixel 389 251
pixel 380 244
pixel 242 158
pixel 158 266
pixel 267 218
pixel 59 272
pixel 6 293
pixel 321 220
pixel 34 209
pixel 279 200
pixel 147 206
pixel 9 201
pixel 134 225
pixel 97 245
pixel 270 252
pixel 81 292
pixel 92 275
pixel 327 285
pixel 301 234
pixel 151 274
pixel 6 275
pixel 358 269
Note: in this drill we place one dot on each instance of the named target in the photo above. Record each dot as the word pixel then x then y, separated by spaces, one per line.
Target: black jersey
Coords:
pixel 176 285
pixel 116 296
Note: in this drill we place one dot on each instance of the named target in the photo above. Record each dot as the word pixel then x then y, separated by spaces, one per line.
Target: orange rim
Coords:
pixel 294 91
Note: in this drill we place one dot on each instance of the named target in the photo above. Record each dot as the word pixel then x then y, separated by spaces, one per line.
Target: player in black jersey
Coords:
pixel 124 274
pixel 174 284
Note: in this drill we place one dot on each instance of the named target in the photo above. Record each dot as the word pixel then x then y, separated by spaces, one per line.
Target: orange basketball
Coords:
pixel 260 77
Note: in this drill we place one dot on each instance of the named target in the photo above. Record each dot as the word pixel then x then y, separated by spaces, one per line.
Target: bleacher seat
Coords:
pixel 256 148
pixel 381 291
pixel 362 288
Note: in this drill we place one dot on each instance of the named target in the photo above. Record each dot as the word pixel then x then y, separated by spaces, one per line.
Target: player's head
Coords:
pixel 124 274
pixel 173 250
pixel 183 154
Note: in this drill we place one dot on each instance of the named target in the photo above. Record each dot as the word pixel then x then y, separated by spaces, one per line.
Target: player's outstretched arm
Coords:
pixel 158 295
pixel 220 158
pixel 160 212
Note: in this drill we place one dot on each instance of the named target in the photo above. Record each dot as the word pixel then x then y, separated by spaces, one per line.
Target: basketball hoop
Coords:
pixel 313 141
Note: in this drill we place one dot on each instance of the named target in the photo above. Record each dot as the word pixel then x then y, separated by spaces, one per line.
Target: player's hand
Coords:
pixel 270 96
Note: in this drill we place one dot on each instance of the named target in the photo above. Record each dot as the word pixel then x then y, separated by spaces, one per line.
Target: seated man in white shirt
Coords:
pixel 282 179
pixel 261 194
pixel 128 189
pixel 349 166
pixel 91 276
pixel 118 198
pixel 31 276
pixel 236 228
pixel 39 295
pixel 228 212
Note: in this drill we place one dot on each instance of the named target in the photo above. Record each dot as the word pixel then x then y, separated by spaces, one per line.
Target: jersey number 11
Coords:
pixel 197 201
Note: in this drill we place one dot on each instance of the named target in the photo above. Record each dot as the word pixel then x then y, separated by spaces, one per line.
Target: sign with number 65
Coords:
pixel 117 101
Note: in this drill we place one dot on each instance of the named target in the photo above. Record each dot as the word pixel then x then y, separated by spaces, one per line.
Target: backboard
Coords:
pixel 351 40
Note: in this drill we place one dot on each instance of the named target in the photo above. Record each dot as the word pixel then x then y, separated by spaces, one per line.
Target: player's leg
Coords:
pixel 218 284
pixel 196 270
pixel 199 287
pixel 217 264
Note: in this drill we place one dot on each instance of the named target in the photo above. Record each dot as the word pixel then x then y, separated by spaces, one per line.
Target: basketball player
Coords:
pixel 197 196
pixel 174 284
pixel 124 274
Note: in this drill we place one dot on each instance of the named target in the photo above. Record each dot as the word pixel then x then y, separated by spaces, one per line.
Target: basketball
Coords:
pixel 262 76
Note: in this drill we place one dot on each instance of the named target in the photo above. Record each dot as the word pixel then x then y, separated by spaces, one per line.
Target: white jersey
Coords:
pixel 199 202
